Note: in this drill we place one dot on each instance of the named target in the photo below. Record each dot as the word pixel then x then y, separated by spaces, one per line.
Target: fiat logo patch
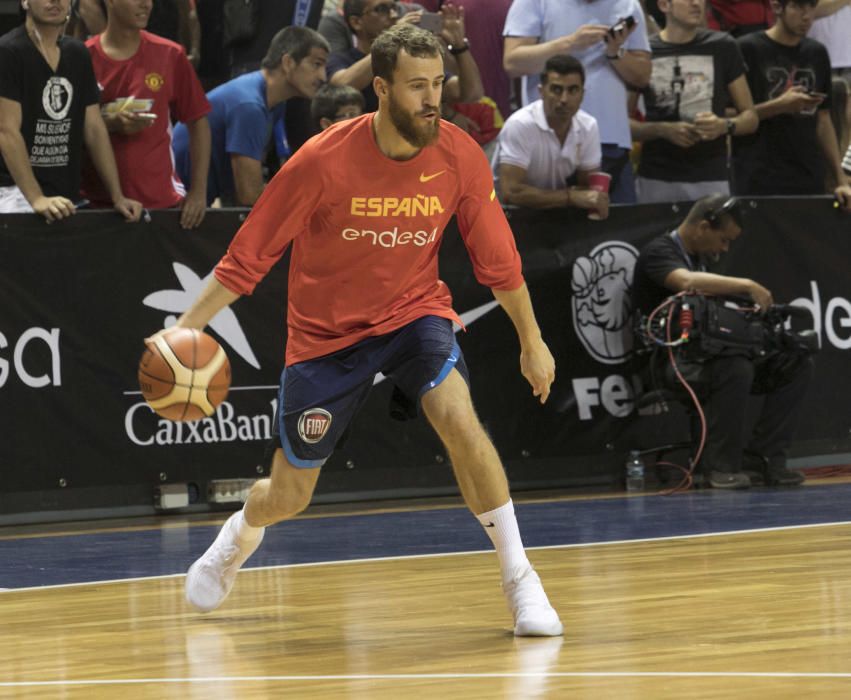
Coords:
pixel 313 424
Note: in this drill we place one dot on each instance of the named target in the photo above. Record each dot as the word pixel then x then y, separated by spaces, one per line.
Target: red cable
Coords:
pixel 688 479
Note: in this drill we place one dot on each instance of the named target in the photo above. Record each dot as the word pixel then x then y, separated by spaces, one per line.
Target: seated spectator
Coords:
pixel 679 261
pixel 48 110
pixel 739 17
pixel 368 18
pixel 789 76
pixel 243 111
pixel 610 38
pixel 696 74
pixel 146 81
pixel 550 142
pixel 335 103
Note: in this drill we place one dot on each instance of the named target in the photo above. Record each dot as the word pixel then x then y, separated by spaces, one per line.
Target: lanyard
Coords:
pixel 302 9
pixel 689 262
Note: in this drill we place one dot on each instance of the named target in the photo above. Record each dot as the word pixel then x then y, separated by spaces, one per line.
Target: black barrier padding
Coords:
pixel 73 314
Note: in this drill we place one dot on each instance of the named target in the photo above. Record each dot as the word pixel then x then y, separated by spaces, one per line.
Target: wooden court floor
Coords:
pixel 760 613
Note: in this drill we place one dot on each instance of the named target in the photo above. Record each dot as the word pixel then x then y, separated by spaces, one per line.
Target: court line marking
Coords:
pixel 369 560
pixel 428 676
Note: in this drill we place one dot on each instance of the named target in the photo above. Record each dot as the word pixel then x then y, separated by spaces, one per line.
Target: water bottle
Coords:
pixel 634 472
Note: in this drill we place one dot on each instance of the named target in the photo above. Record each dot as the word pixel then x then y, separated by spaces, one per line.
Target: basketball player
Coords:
pixel 365 204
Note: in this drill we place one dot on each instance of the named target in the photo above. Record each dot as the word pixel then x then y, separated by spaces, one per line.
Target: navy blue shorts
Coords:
pixel 318 398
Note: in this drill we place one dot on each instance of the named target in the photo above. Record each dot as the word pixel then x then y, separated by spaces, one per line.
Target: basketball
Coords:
pixel 184 374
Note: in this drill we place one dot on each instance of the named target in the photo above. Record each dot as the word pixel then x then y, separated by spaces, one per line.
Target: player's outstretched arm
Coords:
pixel 212 299
pixel 536 361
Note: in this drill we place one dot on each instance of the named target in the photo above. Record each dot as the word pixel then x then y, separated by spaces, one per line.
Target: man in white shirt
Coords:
pixel 609 37
pixel 548 149
pixel 832 28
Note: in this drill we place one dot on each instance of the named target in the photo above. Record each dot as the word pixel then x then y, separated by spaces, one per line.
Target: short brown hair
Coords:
pixel 414 41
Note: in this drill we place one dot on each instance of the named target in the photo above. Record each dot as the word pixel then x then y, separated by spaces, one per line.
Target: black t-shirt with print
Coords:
pixel 53 108
pixel 687 79
pixel 659 258
pixel 784 156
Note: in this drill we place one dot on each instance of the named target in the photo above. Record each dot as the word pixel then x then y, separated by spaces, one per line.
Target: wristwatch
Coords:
pixel 455 50
pixel 620 54
pixel 731 127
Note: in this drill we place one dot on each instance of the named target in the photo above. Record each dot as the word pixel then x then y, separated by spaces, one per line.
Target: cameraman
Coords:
pixel 677 261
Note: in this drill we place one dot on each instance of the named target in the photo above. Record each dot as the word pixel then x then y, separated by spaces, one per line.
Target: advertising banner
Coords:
pixel 77 299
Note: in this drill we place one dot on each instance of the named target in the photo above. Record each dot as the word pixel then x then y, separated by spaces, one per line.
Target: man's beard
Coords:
pixel 406 125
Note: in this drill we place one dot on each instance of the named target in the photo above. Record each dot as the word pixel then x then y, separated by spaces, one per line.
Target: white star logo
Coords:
pixel 224 323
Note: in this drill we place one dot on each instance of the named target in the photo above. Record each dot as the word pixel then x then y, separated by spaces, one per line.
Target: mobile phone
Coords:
pixel 813 93
pixel 431 22
pixel 81 204
pixel 145 115
pixel 623 24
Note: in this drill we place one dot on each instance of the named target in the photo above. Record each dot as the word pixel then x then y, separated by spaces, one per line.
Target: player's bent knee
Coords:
pixel 289 504
pixel 291 488
pixel 449 405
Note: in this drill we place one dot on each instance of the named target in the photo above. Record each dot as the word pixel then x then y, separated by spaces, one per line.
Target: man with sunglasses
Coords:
pixel 367 19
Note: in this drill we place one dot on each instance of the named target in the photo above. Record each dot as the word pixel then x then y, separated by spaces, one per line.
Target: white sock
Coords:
pixel 501 526
pixel 244 531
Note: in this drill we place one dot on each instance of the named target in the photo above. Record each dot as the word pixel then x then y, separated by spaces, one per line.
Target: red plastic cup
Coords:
pixel 598 182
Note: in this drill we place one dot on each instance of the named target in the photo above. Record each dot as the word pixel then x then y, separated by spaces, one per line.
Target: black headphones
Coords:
pixel 729 206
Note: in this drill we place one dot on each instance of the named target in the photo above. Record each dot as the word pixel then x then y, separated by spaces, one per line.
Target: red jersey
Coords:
pixel 728 15
pixel 158 78
pixel 366 230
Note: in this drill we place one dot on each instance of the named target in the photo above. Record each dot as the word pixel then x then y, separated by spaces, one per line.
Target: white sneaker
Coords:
pixel 210 579
pixel 533 614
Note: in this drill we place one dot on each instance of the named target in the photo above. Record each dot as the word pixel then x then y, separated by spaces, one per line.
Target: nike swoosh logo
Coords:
pixel 472 315
pixel 490 524
pixel 467 318
pixel 426 178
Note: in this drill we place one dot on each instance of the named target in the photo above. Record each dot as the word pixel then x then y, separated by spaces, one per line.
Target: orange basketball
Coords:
pixel 184 374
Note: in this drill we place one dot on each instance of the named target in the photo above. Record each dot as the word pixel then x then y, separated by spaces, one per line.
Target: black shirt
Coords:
pixel 656 261
pixel 53 108
pixel 687 79
pixel 783 156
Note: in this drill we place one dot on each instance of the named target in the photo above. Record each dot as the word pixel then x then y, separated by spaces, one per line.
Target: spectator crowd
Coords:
pixel 188 104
